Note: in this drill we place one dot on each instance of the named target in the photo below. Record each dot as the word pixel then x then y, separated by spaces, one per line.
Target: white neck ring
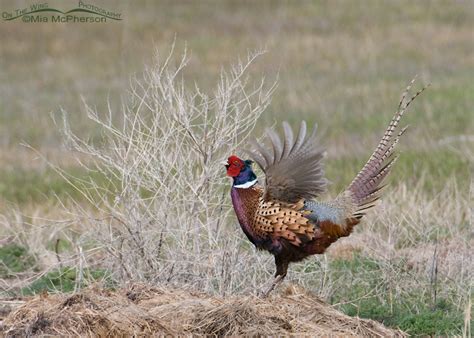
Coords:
pixel 246 184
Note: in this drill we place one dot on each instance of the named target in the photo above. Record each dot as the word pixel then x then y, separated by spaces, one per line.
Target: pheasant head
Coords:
pixel 241 172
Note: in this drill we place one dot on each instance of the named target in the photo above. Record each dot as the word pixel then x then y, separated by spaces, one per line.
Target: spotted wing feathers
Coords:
pixel 284 220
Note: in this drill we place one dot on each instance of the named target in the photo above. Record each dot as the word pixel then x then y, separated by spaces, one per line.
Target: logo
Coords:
pixel 83 13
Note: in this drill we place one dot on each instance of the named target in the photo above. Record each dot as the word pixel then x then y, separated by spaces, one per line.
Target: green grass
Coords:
pixel 14 259
pixel 413 317
pixel 436 165
pixel 23 186
pixel 413 311
pixel 65 280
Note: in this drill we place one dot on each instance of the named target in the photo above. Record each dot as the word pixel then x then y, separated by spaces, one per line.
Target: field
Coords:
pixel 91 195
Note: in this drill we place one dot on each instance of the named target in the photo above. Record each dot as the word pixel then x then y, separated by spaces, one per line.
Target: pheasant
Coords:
pixel 283 216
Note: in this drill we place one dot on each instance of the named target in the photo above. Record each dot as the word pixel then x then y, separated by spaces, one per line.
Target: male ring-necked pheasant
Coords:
pixel 283 217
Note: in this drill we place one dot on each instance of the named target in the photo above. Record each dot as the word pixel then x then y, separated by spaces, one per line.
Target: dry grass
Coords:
pixel 141 310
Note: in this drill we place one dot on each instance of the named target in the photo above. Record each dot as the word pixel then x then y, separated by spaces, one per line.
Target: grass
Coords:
pixel 68 279
pixel 331 53
pixel 15 259
pixel 26 186
pixel 416 313
pixel 411 167
pixel 415 318
pixel 340 64
pixel 142 310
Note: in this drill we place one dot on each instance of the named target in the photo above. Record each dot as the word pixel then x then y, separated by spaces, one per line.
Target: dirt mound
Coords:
pixel 143 310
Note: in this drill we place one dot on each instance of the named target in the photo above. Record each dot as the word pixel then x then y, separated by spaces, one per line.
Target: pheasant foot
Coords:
pixel 278 279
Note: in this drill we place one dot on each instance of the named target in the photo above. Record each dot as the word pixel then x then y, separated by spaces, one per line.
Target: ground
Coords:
pixel 138 310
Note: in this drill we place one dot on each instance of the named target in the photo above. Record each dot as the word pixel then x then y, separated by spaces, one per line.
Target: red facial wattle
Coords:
pixel 234 166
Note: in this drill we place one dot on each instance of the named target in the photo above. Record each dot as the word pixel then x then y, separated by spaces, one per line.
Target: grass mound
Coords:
pixel 142 310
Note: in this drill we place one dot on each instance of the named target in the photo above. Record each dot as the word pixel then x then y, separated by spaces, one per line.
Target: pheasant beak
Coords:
pixel 225 163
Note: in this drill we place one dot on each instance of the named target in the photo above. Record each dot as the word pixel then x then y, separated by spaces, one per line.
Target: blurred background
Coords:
pixel 342 64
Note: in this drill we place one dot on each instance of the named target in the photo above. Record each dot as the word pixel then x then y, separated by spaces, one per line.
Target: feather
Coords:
pixel 300 137
pixel 262 154
pixel 366 187
pixel 295 170
pixel 276 143
pixel 288 141
pixel 285 220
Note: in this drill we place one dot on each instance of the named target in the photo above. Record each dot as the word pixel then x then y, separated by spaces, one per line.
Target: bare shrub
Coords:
pixel 162 210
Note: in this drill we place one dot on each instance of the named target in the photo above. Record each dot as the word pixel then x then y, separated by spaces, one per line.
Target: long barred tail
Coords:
pixel 366 187
pixel 338 217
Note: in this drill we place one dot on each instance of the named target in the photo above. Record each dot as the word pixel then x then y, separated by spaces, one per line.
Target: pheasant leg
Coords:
pixel 278 279
pixel 281 270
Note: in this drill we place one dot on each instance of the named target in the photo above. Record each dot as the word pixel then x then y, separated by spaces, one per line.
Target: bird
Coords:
pixel 283 216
